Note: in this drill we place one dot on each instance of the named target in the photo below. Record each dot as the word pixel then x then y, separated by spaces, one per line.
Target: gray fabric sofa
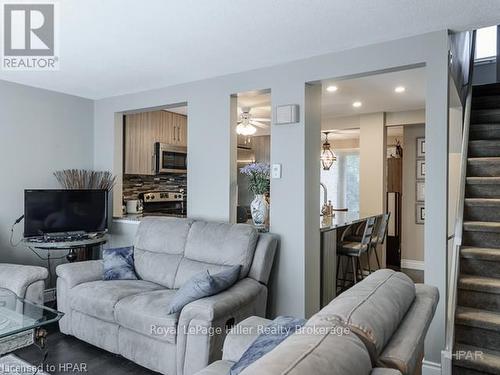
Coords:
pixel 377 327
pixel 129 317
pixel 26 282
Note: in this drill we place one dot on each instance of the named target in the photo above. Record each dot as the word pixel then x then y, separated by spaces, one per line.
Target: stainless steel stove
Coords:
pixel 164 202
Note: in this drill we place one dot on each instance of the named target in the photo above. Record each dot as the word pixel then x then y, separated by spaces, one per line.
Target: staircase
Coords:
pixel 477 317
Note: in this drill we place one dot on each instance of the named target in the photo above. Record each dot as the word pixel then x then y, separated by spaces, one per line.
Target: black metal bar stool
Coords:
pixel 353 250
pixel 379 237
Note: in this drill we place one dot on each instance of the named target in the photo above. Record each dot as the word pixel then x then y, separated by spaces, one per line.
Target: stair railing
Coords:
pixel 447 353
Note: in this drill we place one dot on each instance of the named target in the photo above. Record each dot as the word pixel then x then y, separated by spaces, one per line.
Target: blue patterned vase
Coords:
pixel 260 210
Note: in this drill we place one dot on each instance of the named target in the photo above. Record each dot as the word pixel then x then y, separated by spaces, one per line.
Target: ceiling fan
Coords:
pixel 247 125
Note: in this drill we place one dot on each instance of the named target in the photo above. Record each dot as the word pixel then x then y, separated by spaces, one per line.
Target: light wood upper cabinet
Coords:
pixel 179 130
pixel 143 130
pixel 140 132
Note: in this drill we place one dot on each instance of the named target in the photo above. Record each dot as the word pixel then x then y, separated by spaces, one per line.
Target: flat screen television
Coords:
pixel 52 211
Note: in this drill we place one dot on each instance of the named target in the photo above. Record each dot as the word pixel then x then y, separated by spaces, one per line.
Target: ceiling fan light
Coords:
pixel 245 129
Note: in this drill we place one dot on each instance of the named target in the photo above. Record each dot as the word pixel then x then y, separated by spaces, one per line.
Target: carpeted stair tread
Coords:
pixel 484 148
pixel 485 160
pixel 485 115
pixel 479 284
pixel 491 202
pixel 482 226
pixel 485 90
pixel 480 131
pixel 486 102
pixel 487 363
pixel 480 253
pixel 483 180
pixel 478 318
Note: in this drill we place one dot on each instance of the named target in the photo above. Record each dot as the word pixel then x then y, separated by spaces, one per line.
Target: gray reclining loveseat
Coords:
pixel 129 317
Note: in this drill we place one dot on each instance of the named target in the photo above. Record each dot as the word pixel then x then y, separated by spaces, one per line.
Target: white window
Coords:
pixel 486 43
pixel 342 181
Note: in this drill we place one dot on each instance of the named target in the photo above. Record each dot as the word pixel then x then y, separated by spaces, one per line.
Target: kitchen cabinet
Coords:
pixel 179 130
pixel 143 130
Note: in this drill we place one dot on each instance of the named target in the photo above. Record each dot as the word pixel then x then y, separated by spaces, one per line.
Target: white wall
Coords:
pixel 210 160
pixel 372 164
pixel 40 132
pixel 412 234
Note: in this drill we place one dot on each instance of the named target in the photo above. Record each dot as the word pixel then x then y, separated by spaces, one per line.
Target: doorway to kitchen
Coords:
pixel 153 156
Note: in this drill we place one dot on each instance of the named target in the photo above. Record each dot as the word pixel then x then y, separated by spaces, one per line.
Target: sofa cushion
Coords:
pixel 401 353
pixel 322 348
pixel 203 285
pixel 146 313
pixel 190 268
pixel 119 264
pixel 374 308
pixel 159 248
pixel 98 298
pixel 223 244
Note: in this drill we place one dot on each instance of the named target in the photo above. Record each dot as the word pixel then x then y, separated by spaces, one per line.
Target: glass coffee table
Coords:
pixel 21 322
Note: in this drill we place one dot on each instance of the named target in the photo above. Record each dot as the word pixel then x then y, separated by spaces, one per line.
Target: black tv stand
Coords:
pixel 65 243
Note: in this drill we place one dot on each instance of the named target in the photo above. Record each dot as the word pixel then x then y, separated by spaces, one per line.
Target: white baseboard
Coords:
pixel 412 264
pixel 431 368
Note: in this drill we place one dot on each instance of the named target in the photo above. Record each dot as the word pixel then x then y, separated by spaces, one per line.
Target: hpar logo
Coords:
pixel 30 36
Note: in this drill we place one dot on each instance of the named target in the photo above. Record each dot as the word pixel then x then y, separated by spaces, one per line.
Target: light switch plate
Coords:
pixel 286 114
pixel 276 171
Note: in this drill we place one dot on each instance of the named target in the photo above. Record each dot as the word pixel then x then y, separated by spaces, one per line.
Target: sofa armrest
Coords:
pixel 203 323
pixel 404 351
pixel 263 258
pixel 223 304
pixel 17 278
pixel 239 339
pixel 80 272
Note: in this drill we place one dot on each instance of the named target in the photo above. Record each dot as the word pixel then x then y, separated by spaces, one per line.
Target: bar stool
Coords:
pixel 353 250
pixel 379 237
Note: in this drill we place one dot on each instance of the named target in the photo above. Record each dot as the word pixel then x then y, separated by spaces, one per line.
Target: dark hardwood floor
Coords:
pixel 68 355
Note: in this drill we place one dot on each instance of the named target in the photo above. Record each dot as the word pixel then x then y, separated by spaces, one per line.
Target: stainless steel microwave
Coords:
pixel 170 159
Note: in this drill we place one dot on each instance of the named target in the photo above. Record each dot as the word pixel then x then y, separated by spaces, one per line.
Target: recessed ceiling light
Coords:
pixel 332 88
pixel 400 89
pixel 357 104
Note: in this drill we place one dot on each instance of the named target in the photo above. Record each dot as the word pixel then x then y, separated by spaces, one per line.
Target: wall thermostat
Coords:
pixel 286 114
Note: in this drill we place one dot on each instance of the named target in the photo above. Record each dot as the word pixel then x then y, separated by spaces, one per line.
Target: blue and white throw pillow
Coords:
pixel 203 285
pixel 119 264
pixel 274 334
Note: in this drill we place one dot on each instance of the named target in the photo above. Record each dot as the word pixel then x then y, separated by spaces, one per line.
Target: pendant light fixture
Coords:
pixel 327 155
pixel 244 126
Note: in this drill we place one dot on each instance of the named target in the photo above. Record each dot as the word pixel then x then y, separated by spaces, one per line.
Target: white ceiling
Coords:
pixel 376 93
pixel 114 47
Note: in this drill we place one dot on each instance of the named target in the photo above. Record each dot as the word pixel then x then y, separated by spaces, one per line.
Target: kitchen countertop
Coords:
pixel 343 219
pixel 136 218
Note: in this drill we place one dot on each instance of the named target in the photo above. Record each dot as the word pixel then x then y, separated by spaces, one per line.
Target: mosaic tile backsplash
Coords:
pixel 133 185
